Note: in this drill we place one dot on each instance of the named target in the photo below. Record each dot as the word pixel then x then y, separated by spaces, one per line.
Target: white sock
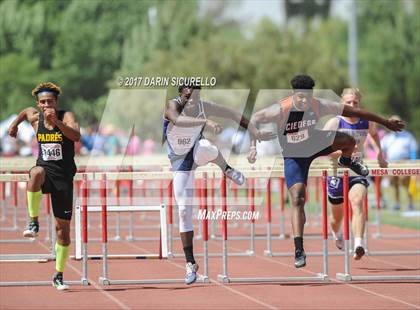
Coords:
pixel 337 235
pixel 357 242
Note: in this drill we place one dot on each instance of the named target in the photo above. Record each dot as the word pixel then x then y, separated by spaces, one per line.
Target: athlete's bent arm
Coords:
pixel 172 114
pixel 29 114
pixel 69 126
pixel 271 114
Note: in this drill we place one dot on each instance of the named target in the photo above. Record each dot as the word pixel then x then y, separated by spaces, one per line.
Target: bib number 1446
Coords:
pixel 51 151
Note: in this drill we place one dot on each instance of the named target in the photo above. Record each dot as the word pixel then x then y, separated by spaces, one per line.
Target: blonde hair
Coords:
pixel 49 86
pixel 352 91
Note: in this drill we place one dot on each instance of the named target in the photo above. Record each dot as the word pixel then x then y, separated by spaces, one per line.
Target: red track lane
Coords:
pixel 332 295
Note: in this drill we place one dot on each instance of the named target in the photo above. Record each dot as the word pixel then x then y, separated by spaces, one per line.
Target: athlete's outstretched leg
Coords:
pixel 184 193
pixel 62 205
pixel 356 194
pixel 298 197
pixel 62 248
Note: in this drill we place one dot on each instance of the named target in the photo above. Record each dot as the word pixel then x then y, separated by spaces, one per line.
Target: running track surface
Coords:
pixel 214 295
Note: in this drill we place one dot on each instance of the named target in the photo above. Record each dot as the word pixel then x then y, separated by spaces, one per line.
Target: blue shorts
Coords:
pixel 335 187
pixel 296 169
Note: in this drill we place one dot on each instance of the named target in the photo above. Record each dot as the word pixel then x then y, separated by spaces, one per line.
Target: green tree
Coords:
pixel 18 75
pixel 389 62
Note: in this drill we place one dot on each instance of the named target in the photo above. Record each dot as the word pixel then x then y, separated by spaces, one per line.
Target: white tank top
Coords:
pixel 182 139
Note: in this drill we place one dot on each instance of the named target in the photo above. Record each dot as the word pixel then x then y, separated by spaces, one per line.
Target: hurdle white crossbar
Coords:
pixel 42 258
pixel 163 228
pixel 105 279
pixel 15 257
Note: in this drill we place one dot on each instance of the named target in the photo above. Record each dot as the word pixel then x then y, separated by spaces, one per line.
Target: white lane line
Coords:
pixel 94 284
pixel 348 284
pixel 389 263
pixel 268 306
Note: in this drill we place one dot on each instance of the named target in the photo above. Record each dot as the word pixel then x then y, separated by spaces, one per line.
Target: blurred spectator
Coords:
pixel 87 140
pixel 148 147
pixel 111 144
pixel 370 152
pixel 25 150
pixel 369 147
pixel 225 139
pixel 134 145
pixel 98 147
pixel 108 141
pixel 233 139
pixel 400 146
pixel 241 142
pixel 16 147
pixel 9 146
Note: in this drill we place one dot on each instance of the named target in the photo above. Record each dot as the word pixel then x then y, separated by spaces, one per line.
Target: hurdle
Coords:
pixel 163 250
pixel 131 191
pixel 346 276
pixel 320 277
pixel 205 237
pixel 118 201
pixel 251 250
pixel 268 251
pixel 84 279
pixel 14 206
pixel 378 235
pixel 314 217
pixel 251 195
pixel 282 219
pixel 170 218
pixel 3 203
pixel 282 235
pixel 15 226
pixel 41 257
pixel 116 209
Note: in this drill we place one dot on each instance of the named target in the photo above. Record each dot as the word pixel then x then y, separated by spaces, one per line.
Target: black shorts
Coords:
pixel 61 190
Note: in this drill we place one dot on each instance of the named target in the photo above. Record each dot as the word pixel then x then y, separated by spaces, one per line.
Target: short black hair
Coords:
pixel 302 81
pixel 183 86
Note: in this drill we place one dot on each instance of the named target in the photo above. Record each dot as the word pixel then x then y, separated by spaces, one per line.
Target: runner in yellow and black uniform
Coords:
pixel 56 131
